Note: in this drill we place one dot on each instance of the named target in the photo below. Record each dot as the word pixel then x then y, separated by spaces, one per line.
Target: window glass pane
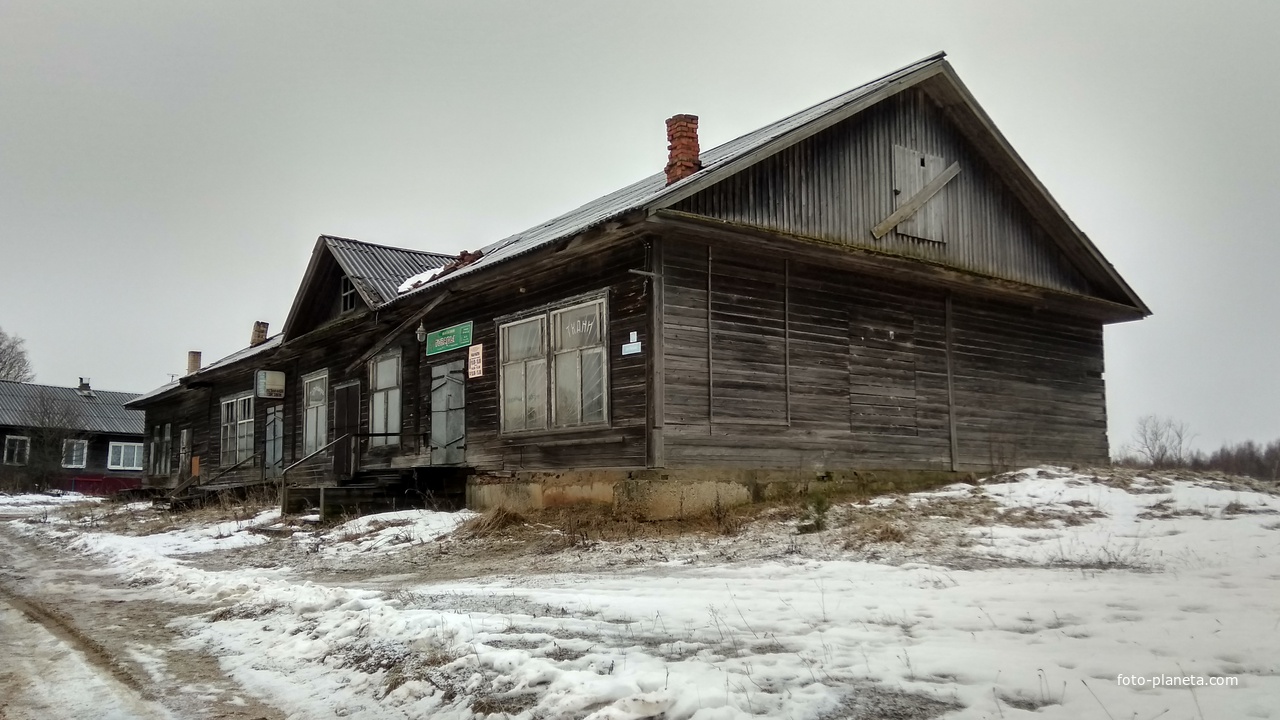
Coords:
pixel 386 373
pixel 577 327
pixel 116 453
pixel 315 392
pixel 593 385
pixel 522 340
pixel 535 394
pixel 393 414
pixel 513 396
pixel 568 401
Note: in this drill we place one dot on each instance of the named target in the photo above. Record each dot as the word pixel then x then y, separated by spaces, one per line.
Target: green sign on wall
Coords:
pixel 450 338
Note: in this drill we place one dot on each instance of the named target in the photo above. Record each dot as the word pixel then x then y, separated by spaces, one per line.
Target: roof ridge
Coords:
pixel 65 387
pixel 380 246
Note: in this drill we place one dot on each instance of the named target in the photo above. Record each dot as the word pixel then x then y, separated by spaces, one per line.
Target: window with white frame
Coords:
pixel 384 400
pixel 17 449
pixel 161 449
pixel 237 429
pixel 315 413
pixel 557 378
pixel 75 453
pixel 124 456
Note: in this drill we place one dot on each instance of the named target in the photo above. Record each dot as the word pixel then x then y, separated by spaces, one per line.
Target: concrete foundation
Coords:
pixel 672 494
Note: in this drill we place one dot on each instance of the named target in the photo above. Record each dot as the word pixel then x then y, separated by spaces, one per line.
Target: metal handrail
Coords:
pixel 183 486
pixel 313 454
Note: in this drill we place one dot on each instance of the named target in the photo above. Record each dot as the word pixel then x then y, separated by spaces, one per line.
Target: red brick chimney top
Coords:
pixel 682 146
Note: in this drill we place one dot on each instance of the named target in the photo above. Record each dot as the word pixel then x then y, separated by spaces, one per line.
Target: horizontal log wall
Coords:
pixel 772 363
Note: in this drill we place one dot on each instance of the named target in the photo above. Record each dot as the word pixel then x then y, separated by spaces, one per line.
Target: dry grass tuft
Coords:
pixel 493 522
pixel 868 531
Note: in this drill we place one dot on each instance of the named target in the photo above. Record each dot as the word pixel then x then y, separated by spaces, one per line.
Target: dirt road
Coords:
pixel 76 642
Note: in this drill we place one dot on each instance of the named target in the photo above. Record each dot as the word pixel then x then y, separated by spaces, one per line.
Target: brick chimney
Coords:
pixel 193 362
pixel 259 334
pixel 682 146
pixel 84 390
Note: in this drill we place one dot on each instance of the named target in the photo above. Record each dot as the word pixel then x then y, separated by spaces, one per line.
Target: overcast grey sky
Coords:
pixel 166 167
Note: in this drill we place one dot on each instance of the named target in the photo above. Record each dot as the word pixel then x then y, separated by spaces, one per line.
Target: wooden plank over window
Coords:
pixel 912 170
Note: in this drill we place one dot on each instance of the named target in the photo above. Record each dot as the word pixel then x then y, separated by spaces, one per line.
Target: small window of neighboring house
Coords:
pixel 237 429
pixel 74 453
pixel 124 456
pixel 16 449
pixel 558 378
pixel 161 449
pixel 184 452
pixel 350 298
pixel 384 400
pixel 315 421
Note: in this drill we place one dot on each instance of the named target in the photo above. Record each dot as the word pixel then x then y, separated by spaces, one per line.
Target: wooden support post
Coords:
pixel 786 335
pixel 657 356
pixel 711 393
pixel 951 390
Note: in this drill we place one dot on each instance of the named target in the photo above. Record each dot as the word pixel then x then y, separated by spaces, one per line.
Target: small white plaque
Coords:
pixel 631 348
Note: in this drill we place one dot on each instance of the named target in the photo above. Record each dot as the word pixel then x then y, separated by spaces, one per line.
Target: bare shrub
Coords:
pixel 1163 442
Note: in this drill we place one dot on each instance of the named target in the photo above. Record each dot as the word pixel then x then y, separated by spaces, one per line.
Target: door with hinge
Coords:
pixel 346 423
pixel 273 463
pixel 449 413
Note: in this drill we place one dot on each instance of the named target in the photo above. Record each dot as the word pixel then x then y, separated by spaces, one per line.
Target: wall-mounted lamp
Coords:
pixel 421 332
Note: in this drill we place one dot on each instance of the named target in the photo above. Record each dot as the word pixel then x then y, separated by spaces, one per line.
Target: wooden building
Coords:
pixel 876 283
pixel 69 438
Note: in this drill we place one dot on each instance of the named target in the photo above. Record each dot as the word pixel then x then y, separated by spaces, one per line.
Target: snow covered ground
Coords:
pixel 40 503
pixel 1044 593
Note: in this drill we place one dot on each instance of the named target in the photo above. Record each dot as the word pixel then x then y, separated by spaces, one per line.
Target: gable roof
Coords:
pixel 103 411
pixel 376 271
pixel 652 193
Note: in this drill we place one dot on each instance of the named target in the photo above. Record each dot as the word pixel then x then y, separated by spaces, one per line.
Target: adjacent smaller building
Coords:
pixel 69 438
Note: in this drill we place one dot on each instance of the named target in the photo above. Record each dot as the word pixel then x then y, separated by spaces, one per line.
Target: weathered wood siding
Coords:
pixel 779 363
pixel 1028 386
pixel 840 183
pixel 554 281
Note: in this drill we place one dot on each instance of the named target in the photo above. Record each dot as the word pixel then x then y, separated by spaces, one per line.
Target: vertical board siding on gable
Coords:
pixel 838 184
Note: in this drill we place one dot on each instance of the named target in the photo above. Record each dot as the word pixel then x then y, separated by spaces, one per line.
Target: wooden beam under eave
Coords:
pixel 397 331
pixel 889 265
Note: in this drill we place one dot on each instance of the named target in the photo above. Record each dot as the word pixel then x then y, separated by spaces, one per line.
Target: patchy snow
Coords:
pixel 421 278
pixel 37 503
pixel 1076 581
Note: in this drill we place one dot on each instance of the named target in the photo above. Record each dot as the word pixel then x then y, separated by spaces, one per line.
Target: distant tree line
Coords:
pixel 1165 443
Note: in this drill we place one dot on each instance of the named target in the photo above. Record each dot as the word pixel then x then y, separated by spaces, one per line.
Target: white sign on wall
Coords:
pixel 269 384
pixel 475 361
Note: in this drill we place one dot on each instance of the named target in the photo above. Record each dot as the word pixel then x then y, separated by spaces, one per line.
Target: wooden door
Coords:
pixel 449 414
pixel 346 423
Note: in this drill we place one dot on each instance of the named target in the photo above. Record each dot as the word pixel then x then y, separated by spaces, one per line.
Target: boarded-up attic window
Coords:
pixel 912 169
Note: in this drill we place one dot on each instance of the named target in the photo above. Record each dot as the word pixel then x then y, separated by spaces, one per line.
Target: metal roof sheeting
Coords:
pixel 100 411
pixel 653 189
pixel 378 270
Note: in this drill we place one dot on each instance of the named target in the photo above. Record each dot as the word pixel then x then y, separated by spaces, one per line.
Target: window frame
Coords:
pixel 161 450
pixel 236 431
pixel 388 440
pixel 26 454
pixel 548 314
pixel 184 450
pixel 347 292
pixel 84 453
pixel 322 436
pixel 138 449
